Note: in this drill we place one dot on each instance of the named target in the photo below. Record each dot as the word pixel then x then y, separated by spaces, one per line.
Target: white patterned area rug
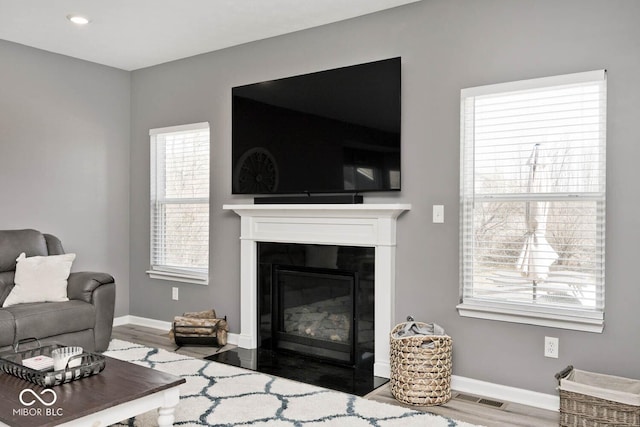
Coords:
pixel 216 394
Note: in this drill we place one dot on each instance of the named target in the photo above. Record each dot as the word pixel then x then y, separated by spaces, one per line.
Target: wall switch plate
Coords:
pixel 551 347
pixel 174 294
pixel 438 214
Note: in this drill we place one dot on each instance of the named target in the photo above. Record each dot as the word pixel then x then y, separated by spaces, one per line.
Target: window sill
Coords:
pixel 563 319
pixel 178 277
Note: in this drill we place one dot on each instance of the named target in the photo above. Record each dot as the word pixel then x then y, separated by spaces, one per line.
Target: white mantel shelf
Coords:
pixel 372 225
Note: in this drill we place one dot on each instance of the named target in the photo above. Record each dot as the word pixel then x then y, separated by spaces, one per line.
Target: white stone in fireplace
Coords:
pixel 372 225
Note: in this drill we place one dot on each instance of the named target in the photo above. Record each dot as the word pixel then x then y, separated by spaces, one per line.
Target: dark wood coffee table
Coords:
pixel 121 391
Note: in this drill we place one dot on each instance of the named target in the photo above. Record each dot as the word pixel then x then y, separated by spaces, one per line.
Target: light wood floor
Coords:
pixel 458 408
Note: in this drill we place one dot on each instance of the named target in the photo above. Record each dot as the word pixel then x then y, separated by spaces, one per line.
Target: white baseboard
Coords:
pixel 233 338
pixel 245 341
pixel 458 383
pixel 382 369
pixel 121 320
pixel 141 321
pixel 158 324
pixel 505 393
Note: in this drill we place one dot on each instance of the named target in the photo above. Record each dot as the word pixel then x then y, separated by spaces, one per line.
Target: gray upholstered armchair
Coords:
pixel 85 320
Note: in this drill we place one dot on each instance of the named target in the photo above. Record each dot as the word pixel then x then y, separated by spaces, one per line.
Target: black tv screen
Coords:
pixel 334 131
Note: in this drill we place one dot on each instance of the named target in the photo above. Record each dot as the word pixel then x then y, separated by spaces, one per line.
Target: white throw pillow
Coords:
pixel 40 279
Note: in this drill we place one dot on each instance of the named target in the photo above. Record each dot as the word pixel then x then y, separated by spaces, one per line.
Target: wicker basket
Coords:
pixel 420 375
pixel 596 400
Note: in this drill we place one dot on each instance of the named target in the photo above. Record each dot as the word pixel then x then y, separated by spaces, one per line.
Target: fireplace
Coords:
pixel 317 300
pixel 314 313
pixel 364 225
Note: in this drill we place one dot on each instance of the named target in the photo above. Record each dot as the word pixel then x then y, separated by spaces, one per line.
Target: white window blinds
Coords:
pixel 533 201
pixel 180 203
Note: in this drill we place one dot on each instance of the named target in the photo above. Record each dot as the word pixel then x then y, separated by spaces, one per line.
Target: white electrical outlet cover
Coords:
pixel 551 345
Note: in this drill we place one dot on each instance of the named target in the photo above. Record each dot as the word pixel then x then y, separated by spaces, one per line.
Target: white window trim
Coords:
pixel 178 277
pixel 163 273
pixel 179 128
pixel 516 313
pixel 563 318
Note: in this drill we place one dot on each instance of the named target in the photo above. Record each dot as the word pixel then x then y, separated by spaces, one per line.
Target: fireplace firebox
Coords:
pixel 314 312
pixel 317 301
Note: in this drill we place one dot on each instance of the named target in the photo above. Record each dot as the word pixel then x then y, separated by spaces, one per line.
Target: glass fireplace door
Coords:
pixel 314 311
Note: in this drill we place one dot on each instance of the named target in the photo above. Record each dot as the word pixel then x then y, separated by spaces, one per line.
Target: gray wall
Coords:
pixel 64 156
pixel 445 45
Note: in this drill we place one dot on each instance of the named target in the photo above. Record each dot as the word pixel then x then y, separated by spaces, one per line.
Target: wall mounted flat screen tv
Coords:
pixel 333 131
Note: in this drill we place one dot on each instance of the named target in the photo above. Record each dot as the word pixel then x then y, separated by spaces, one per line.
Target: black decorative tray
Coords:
pixel 11 363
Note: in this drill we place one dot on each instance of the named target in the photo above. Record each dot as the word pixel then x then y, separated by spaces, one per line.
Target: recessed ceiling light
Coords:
pixel 77 19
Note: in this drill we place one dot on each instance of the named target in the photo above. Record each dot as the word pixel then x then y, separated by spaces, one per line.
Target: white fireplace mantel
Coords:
pixel 372 225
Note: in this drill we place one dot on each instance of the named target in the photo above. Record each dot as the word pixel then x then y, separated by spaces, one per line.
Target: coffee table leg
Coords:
pixel 166 413
pixel 166 417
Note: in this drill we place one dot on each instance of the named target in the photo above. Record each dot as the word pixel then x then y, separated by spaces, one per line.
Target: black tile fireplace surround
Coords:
pixel 315 315
pixel 317 300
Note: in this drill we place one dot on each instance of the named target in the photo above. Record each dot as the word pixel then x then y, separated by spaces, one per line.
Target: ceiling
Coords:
pixel 133 34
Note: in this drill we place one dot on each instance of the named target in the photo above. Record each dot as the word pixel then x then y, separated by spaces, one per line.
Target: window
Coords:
pixel 180 203
pixel 533 201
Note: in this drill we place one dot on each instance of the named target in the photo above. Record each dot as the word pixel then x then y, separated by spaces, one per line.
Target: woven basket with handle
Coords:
pixel 420 375
pixel 584 402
